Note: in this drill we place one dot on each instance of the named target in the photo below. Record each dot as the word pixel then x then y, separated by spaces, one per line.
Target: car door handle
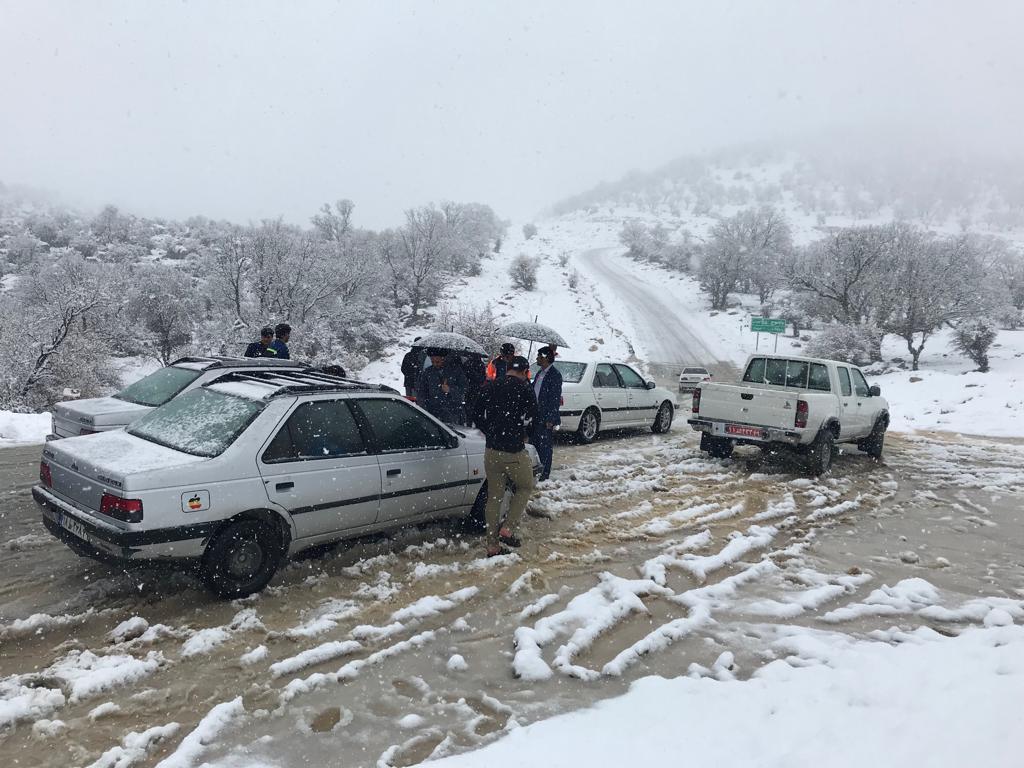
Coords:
pixel 394 472
pixel 284 486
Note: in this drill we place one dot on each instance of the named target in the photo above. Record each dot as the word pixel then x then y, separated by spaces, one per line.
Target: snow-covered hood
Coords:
pixel 100 411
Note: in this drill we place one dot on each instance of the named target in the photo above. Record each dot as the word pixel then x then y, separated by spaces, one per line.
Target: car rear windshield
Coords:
pixel 792 374
pixel 159 387
pixel 571 372
pixel 701 371
pixel 201 422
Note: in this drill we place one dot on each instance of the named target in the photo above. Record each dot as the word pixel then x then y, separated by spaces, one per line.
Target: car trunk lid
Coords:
pixel 82 417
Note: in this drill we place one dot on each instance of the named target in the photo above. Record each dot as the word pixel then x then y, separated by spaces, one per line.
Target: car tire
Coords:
pixel 821 452
pixel 590 425
pixel 242 558
pixel 716 447
pixel 476 521
pixel 663 419
pixel 874 444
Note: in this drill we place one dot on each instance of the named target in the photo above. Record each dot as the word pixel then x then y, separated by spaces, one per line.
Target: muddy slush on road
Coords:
pixel 642 556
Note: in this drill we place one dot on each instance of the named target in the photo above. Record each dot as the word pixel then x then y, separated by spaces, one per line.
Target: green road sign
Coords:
pixel 767 325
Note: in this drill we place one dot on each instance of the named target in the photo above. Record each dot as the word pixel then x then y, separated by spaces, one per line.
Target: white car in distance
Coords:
pixel 605 395
pixel 693 377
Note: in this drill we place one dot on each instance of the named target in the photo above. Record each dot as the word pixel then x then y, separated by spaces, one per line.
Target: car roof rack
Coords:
pixel 220 361
pixel 301 382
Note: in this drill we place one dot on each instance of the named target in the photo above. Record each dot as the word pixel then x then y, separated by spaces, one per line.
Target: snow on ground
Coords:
pixel 923 699
pixel 18 428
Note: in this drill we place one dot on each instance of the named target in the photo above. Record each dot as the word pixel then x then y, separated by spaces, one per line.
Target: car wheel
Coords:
pixel 242 558
pixel 716 447
pixel 590 424
pixel 663 421
pixel 821 452
pixel 874 444
pixel 477 520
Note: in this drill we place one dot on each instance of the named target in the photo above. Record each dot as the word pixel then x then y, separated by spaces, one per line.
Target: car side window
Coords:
pixel 844 381
pixel 818 378
pixel 860 384
pixel 755 371
pixel 631 378
pixel 316 430
pixel 398 427
pixel 605 376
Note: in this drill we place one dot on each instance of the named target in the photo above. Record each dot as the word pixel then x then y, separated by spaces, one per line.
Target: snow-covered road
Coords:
pixel 645 558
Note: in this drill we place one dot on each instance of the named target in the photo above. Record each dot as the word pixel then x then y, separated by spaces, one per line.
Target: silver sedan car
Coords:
pixel 238 474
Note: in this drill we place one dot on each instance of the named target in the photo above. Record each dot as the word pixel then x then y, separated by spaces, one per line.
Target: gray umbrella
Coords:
pixel 533 332
pixel 453 341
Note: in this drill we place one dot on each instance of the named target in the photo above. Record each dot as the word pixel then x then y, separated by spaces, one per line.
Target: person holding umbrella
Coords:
pixel 441 388
pixel 547 385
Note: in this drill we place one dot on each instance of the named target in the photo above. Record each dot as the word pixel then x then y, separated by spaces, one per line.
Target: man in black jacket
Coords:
pixel 505 410
pixel 412 367
pixel 262 347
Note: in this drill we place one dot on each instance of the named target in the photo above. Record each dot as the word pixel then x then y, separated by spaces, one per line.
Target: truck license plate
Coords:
pixel 71 525
pixel 741 431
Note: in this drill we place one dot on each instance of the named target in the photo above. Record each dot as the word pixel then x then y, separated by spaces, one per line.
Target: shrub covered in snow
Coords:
pixel 973 338
pixel 856 344
pixel 524 272
pixel 529 231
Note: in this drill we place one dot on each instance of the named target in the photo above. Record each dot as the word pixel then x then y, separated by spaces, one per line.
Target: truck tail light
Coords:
pixel 801 414
pixel 128 510
pixel 561 401
pixel 44 474
pixel 696 400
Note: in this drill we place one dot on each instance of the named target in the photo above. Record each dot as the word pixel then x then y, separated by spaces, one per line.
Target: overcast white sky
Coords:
pixel 245 110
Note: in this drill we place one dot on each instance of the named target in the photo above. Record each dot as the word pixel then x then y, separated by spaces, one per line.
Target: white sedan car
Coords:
pixel 693 377
pixel 603 395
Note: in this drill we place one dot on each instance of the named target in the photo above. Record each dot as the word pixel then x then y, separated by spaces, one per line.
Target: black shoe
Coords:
pixel 510 541
pixel 498 552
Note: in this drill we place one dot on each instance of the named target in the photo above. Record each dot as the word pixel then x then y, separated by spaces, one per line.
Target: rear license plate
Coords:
pixel 71 525
pixel 741 431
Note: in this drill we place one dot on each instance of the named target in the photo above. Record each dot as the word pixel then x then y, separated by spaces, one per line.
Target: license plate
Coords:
pixel 71 525
pixel 741 431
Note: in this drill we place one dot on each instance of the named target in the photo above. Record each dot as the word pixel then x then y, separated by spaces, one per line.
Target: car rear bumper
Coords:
pixel 89 536
pixel 758 435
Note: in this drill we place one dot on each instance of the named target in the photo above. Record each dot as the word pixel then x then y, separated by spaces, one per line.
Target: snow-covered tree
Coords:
pixel 523 272
pixel 856 344
pixel 973 337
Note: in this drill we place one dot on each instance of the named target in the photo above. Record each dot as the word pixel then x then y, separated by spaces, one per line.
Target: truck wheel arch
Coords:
pixel 833 426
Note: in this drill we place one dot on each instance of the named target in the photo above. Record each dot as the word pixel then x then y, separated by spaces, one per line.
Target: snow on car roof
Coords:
pixel 250 390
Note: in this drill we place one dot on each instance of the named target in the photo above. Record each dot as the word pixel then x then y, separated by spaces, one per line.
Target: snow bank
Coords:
pixel 18 428
pixel 935 701
pixel 193 745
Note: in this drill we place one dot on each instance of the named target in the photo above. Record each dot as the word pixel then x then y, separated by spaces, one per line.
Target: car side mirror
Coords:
pixel 651 385
pixel 875 391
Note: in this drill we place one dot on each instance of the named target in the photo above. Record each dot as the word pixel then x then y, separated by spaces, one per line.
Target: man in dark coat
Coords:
pixel 441 388
pixel 476 377
pixel 262 348
pixel 412 364
pixel 547 386
pixel 497 367
pixel 505 410
pixel 283 332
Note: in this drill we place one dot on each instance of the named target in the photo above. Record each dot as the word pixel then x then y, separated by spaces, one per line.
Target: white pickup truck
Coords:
pixel 799 403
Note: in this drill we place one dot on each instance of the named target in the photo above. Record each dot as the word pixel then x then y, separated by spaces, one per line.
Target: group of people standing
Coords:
pixel 504 404
pixel 273 342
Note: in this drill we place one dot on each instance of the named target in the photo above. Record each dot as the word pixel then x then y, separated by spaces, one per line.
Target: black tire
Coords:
pixel 874 444
pixel 663 419
pixel 242 558
pixel 476 521
pixel 590 425
pixel 821 452
pixel 716 447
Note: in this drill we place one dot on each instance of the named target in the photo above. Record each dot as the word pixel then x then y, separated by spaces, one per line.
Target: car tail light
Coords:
pixel 128 510
pixel 696 400
pixel 86 431
pixel 44 474
pixel 561 401
pixel 801 414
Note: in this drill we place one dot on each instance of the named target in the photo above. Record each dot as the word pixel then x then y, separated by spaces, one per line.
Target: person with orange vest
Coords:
pixel 498 366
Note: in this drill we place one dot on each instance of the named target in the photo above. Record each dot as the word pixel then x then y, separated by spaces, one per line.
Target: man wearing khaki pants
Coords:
pixel 505 409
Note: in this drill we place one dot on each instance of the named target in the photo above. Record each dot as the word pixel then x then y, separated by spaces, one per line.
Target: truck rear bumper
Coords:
pixel 746 434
